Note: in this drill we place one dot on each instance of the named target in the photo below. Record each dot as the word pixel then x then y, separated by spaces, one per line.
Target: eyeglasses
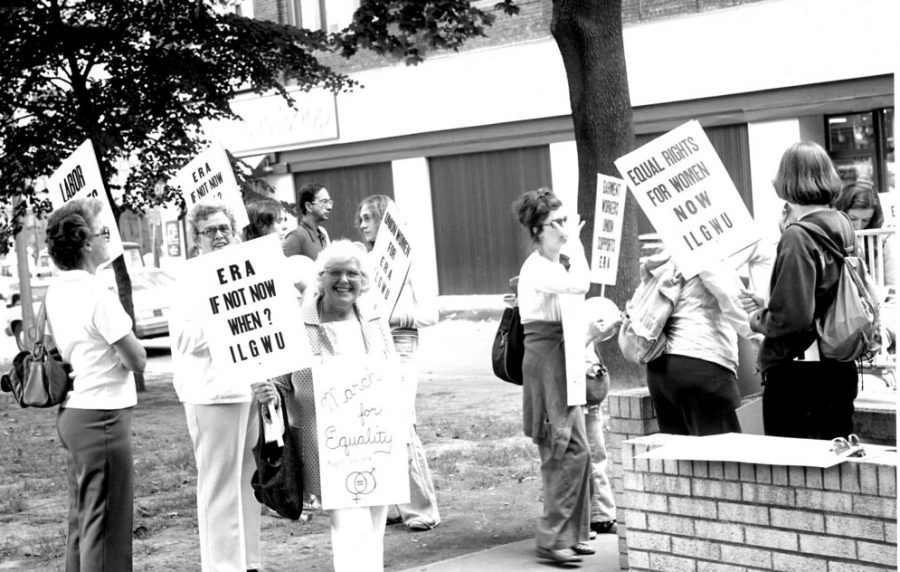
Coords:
pixel 324 202
pixel 211 232
pixel 104 232
pixel 336 274
pixel 560 221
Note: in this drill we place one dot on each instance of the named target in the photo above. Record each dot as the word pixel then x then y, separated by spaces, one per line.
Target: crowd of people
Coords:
pixel 693 384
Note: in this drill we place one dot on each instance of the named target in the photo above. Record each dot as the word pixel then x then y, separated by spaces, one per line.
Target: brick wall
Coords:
pixel 734 517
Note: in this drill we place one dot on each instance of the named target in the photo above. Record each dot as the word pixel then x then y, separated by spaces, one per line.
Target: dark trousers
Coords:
pixel 809 399
pixel 693 396
pixel 100 478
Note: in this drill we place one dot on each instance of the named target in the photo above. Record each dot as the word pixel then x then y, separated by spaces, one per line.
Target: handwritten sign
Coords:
pixel 391 259
pixel 685 191
pixel 574 323
pixel 249 309
pixel 362 426
pixel 607 242
pixel 79 178
pixel 210 175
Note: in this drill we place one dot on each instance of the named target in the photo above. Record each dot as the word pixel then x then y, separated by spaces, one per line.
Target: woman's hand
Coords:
pixel 572 227
pixel 749 301
pixel 264 391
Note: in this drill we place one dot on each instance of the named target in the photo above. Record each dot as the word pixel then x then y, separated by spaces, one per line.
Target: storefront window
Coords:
pixel 862 146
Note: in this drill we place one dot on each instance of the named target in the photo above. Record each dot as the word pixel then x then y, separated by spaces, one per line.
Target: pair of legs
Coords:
pixel 228 515
pixel 603 505
pixel 421 512
pixel 357 538
pixel 100 472
pixel 693 396
pixel 809 399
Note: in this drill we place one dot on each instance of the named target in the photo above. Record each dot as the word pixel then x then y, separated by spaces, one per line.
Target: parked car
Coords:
pixel 151 290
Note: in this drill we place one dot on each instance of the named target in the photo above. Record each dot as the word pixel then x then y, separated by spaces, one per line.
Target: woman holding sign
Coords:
pixel 221 420
pixel 421 513
pixel 337 326
pixel 557 428
pixel 93 334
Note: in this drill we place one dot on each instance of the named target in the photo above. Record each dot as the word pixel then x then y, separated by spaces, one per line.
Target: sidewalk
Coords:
pixel 520 557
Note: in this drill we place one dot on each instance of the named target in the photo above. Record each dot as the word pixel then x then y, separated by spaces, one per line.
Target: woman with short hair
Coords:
pixel 93 334
pixel 265 216
pixel 804 394
pixel 221 420
pixel 336 325
pixel 555 427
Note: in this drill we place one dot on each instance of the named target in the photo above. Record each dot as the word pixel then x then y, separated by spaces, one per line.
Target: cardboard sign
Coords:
pixel 685 191
pixel 249 308
pixel 391 257
pixel 608 217
pixel 210 175
pixel 79 178
pixel 362 426
pixel 574 323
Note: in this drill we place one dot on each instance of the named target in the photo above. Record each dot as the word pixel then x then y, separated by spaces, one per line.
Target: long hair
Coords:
pixel 377 206
pixel 806 175
pixel 861 195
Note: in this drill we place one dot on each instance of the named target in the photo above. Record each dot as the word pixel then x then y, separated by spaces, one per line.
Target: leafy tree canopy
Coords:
pixel 137 77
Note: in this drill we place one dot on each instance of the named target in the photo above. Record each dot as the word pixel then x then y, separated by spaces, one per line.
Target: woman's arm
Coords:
pixel 410 312
pixel 792 299
pixel 131 353
pixel 553 278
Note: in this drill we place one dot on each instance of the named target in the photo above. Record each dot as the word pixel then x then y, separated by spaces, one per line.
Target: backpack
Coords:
pixel 642 338
pixel 509 347
pixel 849 328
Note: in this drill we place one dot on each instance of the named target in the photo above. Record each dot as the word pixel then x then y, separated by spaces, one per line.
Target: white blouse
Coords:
pixel 542 280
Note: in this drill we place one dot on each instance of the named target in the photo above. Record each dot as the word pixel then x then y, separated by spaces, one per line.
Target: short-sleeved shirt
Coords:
pixel 86 318
pixel 306 240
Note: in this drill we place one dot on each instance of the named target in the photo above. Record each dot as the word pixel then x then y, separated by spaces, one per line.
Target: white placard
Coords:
pixel 362 426
pixel 391 258
pixel 889 208
pixel 685 191
pixel 608 217
pixel 209 175
pixel 249 309
pixel 173 239
pixel 79 177
pixel 574 324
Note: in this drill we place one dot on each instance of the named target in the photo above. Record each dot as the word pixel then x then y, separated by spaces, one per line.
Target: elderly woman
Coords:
pixel 557 428
pixel 93 334
pixel 221 420
pixel 337 326
pixel 805 395
pixel 421 513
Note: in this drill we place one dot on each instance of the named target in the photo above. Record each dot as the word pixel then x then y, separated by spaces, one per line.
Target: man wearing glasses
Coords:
pixel 309 238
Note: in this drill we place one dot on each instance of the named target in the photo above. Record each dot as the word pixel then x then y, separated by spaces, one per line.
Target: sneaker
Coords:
pixel 560 556
pixel 583 549
pixel 606 527
pixel 418 526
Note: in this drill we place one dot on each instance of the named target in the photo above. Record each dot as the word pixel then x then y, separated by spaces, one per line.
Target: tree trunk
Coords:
pixel 589 36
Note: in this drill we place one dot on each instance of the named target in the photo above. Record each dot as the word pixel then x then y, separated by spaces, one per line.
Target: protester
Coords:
pixel 859 200
pixel 336 325
pixel 804 394
pixel 421 513
pixel 693 384
pixel 221 419
pixel 93 334
pixel 268 217
pixel 557 428
pixel 601 328
pixel 309 238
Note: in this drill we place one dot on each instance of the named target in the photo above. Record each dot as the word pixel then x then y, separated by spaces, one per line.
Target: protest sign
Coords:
pixel 79 177
pixel 607 242
pixel 683 188
pixel 249 309
pixel 574 323
pixel 391 259
pixel 209 175
pixel 173 239
pixel 362 425
pixel 889 208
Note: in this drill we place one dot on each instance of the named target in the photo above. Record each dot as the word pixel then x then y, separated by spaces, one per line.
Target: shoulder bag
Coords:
pixel 278 480
pixel 509 347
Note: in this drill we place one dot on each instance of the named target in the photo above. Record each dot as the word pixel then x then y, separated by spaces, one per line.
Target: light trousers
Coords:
pixel 422 506
pixel 228 515
pixel 603 504
pixel 357 538
pixel 100 474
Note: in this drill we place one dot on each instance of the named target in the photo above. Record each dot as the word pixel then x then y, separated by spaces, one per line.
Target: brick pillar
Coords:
pixel 631 415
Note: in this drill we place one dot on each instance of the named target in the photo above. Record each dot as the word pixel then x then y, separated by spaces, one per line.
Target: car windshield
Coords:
pixel 150 279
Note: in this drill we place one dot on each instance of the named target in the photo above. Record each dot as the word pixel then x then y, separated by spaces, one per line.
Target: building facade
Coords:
pixel 456 139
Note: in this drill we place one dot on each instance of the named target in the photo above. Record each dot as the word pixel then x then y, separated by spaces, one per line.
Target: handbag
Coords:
pixel 278 479
pixel 642 336
pixel 39 377
pixel 509 347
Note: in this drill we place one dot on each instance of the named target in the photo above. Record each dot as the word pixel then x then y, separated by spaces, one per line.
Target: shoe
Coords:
pixel 583 549
pixel 418 526
pixel 559 556
pixel 393 520
pixel 606 527
pixel 592 535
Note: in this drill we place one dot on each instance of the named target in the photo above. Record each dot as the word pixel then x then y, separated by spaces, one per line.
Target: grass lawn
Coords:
pixel 486 474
